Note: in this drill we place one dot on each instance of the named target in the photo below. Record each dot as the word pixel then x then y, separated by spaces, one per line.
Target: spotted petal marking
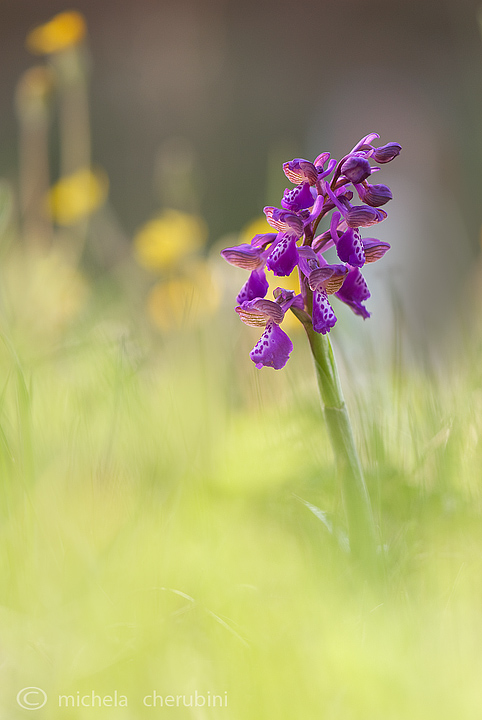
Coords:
pixel 323 316
pixel 284 256
pixel 350 248
pixel 298 198
pixel 272 349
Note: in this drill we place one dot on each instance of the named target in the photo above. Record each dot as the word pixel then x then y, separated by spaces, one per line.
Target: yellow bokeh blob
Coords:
pixel 62 31
pixel 258 226
pixel 76 196
pixel 173 235
pixel 184 300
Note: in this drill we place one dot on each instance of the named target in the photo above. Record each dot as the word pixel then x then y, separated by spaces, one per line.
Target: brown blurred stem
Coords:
pixel 33 112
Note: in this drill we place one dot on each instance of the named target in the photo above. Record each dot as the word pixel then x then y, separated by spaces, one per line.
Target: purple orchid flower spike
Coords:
pixel 322 187
pixel 296 244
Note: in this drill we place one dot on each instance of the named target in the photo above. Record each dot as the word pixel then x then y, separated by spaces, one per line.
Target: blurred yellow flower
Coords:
pixel 258 226
pixel 62 31
pixel 76 196
pixel 46 291
pixel 165 240
pixel 184 300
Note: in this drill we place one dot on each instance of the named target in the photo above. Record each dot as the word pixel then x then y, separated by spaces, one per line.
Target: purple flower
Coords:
pixel 350 247
pixel 356 168
pixel 295 244
pixel 274 346
pixel 374 195
pixel 323 315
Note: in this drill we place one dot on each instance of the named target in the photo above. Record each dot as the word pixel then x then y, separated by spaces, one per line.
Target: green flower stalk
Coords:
pixel 322 187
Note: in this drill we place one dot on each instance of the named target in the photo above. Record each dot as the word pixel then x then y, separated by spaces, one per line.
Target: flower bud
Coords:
pixel 387 152
pixel 364 216
pixel 356 168
pixel 375 195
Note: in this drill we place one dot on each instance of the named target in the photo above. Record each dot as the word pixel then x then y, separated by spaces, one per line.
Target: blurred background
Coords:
pixel 170 517
pixel 194 105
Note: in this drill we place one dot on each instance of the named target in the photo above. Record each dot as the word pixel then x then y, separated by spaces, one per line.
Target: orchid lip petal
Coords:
pixel 272 349
pixel 323 316
pixel 297 198
pixel 350 248
pixel 256 286
pixel 283 257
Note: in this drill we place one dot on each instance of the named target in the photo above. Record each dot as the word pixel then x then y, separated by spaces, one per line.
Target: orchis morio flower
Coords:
pixel 295 243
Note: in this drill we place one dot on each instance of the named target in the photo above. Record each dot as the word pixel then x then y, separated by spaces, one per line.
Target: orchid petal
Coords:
pixel 283 256
pixel 323 316
pixel 256 286
pixel 272 349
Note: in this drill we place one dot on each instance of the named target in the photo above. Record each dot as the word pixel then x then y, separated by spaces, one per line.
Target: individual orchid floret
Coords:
pixel 299 171
pixel 387 152
pixel 356 168
pixel 274 346
pixel 350 247
pixel 323 316
pixel 374 195
pixel 284 220
pixel 354 292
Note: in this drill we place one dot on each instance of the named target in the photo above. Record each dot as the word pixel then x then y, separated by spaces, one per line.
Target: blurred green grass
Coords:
pixel 154 534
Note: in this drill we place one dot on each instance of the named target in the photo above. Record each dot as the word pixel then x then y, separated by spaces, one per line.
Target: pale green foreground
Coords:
pixel 156 536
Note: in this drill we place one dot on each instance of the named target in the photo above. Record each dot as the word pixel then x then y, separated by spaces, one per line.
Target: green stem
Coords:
pixel 362 532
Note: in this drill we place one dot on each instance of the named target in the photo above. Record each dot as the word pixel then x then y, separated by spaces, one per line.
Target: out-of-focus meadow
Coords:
pixel 170 517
